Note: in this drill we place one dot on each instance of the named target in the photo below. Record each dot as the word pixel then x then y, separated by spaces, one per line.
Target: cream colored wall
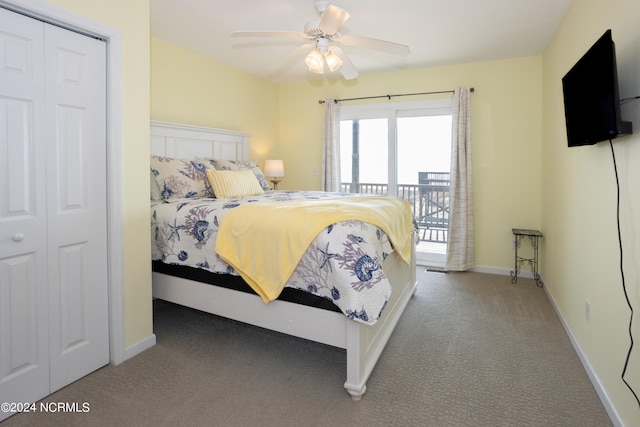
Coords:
pixel 506 115
pixel 189 88
pixel 580 255
pixel 132 19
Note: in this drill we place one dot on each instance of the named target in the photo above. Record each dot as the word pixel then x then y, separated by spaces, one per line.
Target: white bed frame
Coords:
pixel 363 343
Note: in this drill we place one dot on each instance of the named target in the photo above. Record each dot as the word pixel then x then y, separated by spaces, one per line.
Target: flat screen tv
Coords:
pixel 591 99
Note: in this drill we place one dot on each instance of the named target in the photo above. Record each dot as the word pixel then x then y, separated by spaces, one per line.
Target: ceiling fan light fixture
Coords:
pixel 325 34
pixel 333 61
pixel 315 61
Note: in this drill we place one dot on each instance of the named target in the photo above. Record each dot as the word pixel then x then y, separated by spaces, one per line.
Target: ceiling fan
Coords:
pixel 325 38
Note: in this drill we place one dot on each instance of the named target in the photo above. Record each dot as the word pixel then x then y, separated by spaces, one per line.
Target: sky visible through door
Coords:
pixel 424 145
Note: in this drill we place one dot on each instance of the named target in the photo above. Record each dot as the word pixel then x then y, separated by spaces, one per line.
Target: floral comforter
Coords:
pixel 342 264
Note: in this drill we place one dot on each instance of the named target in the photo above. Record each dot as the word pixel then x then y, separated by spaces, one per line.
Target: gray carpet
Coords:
pixel 471 350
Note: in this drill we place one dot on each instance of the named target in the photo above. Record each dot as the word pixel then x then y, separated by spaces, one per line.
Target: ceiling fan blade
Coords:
pixel 348 70
pixel 369 43
pixel 290 34
pixel 332 19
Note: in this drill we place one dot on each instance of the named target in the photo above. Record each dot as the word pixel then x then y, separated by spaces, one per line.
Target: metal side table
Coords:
pixel 533 235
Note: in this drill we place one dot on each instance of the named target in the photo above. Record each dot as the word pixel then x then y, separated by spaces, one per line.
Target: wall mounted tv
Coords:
pixel 591 99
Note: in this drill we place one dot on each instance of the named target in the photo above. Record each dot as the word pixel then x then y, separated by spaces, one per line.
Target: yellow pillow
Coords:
pixel 233 183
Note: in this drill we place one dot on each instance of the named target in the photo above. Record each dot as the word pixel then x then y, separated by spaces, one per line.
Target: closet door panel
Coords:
pixel 24 323
pixel 76 199
pixel 73 314
pixel 24 355
pixel 18 308
pixel 71 178
pixel 22 163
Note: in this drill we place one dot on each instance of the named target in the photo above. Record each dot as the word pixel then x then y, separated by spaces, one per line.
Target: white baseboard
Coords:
pixel 140 346
pixel 597 385
pixel 496 270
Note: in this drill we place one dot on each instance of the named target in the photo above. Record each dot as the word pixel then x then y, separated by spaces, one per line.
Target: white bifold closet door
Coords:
pixel 53 223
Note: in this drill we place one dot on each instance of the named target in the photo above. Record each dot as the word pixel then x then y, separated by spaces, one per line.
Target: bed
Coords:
pixel 363 342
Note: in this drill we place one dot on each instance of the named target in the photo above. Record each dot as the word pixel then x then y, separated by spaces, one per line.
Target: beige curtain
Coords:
pixel 331 146
pixel 460 245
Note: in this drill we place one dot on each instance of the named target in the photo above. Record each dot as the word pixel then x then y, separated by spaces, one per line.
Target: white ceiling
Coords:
pixel 438 32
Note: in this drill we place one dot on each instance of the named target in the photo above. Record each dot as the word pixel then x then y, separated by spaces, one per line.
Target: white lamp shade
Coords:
pixel 315 61
pixel 274 168
pixel 333 62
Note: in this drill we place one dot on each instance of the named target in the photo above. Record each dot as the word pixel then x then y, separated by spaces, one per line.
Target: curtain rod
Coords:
pixel 389 96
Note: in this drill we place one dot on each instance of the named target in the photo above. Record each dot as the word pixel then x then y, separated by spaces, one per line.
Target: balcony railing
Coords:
pixel 429 204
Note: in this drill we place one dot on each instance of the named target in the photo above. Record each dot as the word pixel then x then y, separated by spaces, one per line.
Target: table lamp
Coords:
pixel 275 170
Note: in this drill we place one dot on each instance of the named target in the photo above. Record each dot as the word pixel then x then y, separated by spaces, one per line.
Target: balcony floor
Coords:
pixel 432 240
pixel 432 247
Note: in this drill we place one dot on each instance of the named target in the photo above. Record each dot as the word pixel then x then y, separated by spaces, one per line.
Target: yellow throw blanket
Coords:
pixel 265 242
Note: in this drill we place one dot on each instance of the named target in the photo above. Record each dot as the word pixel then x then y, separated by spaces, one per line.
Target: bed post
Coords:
pixel 365 343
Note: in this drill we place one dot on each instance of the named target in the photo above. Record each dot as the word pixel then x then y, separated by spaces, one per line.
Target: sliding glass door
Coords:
pixel 404 150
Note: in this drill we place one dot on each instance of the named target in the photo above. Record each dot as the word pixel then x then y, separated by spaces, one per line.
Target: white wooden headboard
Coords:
pixel 182 141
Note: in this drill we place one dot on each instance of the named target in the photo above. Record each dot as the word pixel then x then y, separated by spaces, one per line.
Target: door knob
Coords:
pixel 18 237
